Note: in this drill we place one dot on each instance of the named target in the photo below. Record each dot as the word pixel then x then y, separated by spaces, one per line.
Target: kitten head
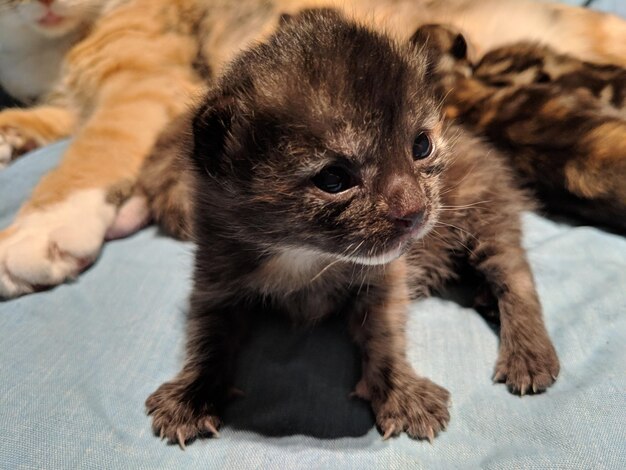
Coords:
pixel 52 18
pixel 326 137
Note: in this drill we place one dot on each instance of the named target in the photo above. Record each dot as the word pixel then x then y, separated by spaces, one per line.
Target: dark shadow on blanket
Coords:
pixel 297 380
pixel 466 292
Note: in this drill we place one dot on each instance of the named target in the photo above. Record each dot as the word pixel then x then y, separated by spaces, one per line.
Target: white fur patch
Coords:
pixel 47 247
pixel 10 142
pixel 385 258
pixel 291 269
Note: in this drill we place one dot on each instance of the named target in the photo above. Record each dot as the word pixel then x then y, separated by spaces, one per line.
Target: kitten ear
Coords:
pixel 459 47
pixel 438 44
pixel 426 41
pixel 284 19
pixel 210 127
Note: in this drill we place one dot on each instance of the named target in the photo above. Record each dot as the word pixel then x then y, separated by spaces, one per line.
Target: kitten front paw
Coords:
pixel 13 144
pixel 530 369
pixel 181 418
pixel 418 407
pixel 47 246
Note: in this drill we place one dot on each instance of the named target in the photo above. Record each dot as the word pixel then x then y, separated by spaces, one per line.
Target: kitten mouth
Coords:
pixel 51 19
pixel 384 258
pixel 398 247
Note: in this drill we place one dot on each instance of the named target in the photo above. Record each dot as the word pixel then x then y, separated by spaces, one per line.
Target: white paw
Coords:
pixel 49 246
pixel 12 145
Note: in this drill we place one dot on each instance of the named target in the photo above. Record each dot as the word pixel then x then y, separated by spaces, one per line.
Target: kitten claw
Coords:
pixel 181 439
pixel 430 435
pixel 162 433
pixel 498 377
pixel 389 432
pixel 355 394
pixel 208 424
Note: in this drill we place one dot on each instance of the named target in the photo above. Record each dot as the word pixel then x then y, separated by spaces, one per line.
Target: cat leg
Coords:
pixel 60 230
pixel 400 399
pixel 527 361
pixel 23 130
pixel 189 406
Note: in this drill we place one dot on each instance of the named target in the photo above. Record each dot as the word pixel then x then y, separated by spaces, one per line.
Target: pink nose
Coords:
pixel 46 2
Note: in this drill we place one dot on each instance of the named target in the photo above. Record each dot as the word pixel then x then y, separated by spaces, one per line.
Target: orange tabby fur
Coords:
pixel 135 72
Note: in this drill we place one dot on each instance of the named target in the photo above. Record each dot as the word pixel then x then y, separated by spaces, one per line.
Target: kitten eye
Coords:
pixel 542 78
pixel 459 47
pixel 422 146
pixel 333 179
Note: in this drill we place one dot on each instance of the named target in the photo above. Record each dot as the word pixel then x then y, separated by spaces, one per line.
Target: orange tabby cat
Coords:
pixel 35 35
pixel 141 66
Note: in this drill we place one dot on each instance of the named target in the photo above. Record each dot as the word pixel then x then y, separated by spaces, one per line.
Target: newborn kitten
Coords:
pixel 35 35
pixel 324 182
pixel 566 143
pixel 526 63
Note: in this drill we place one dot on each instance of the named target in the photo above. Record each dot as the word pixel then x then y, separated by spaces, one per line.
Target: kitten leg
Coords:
pixel 23 130
pixel 164 183
pixel 401 400
pixel 527 361
pixel 189 406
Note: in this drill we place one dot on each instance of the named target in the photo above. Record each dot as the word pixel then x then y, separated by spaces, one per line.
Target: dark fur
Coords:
pixel 164 181
pixel 555 117
pixel 324 91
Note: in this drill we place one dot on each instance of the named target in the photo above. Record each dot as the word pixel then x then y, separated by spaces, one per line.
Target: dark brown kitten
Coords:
pixel 562 140
pixel 324 181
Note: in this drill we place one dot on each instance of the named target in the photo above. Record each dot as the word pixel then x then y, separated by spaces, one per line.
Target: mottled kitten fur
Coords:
pixel 525 63
pixel 324 181
pixel 553 116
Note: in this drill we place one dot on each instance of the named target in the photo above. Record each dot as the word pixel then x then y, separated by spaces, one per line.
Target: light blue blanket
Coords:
pixel 78 362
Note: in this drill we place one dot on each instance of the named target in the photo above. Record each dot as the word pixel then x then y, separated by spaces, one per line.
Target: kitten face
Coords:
pixel 330 145
pixel 52 18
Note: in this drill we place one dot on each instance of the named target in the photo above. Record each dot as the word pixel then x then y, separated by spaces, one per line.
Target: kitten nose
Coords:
pixel 409 220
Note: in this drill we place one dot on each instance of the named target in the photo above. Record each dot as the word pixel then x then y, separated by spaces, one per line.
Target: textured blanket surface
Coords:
pixel 78 361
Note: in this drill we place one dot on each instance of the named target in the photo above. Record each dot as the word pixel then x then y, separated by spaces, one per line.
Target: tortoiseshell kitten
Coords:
pixel 555 127
pixel 323 182
pixel 525 63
